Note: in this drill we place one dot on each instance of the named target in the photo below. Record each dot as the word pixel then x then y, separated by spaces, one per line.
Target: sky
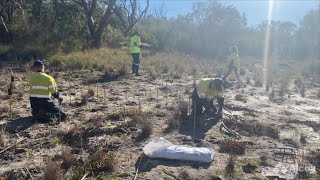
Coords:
pixel 256 10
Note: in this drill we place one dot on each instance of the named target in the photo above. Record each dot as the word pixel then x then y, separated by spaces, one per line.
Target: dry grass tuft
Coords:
pixel 230 168
pixel 185 175
pixel 2 139
pixel 284 84
pixel 253 128
pixel 84 100
pixel 314 158
pixel 4 108
pixel 183 108
pixel 264 160
pixel 90 93
pixel 248 80
pixel 179 114
pixel 146 129
pixel 174 122
pixel 52 172
pixel 68 159
pixel 303 139
pixel 232 147
pixel 101 161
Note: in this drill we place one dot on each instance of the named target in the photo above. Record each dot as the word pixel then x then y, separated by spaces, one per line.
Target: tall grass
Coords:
pixel 90 59
pixel 173 64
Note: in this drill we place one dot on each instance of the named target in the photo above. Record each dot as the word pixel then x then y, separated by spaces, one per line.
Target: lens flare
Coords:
pixel 267 42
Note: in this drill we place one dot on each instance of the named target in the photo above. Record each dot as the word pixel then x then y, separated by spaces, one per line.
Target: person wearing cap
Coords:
pixel 234 64
pixel 42 88
pixel 203 95
pixel 135 51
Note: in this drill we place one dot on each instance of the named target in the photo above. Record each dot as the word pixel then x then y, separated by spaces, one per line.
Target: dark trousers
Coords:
pixel 44 110
pixel 199 103
pixel 135 63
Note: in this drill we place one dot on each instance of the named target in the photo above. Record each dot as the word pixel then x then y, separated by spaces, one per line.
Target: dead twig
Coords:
pixel 29 173
pixel 12 146
pixel 85 175
pixel 230 131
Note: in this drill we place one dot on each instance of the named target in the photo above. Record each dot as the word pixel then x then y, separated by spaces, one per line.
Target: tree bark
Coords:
pixel 97 38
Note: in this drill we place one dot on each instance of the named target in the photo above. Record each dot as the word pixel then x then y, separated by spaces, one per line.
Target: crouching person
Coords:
pixel 204 94
pixel 42 88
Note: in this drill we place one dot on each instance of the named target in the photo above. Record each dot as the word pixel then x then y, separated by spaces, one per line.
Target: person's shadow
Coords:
pixel 198 127
pixel 19 124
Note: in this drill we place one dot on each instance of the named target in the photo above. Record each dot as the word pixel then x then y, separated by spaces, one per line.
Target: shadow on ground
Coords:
pixel 198 129
pixel 147 164
pixel 19 124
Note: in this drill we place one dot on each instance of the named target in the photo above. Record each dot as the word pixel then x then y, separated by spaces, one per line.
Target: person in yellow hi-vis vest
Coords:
pixel 203 95
pixel 135 51
pixel 234 64
pixel 42 88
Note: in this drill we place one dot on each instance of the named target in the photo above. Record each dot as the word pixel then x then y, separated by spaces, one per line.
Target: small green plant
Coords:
pixel 52 171
pixel 230 168
pixel 233 147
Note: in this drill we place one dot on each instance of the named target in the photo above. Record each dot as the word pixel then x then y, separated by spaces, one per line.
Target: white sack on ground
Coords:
pixel 161 148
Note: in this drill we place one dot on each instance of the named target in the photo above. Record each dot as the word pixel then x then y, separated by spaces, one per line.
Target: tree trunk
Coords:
pixel 97 36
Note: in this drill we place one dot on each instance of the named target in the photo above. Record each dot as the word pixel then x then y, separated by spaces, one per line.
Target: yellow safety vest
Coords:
pixel 42 85
pixel 205 92
pixel 135 44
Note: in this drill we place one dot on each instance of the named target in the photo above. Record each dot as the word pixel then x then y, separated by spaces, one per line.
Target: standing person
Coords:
pixel 42 88
pixel 203 95
pixel 234 64
pixel 135 51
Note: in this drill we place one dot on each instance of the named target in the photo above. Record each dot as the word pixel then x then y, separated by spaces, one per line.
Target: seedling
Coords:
pixel 230 167
pixel 232 147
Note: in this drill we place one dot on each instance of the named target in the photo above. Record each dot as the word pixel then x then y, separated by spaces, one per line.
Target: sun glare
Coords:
pixel 267 40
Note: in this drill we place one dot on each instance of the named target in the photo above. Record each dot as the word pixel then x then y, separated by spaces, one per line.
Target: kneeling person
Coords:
pixel 42 88
pixel 203 95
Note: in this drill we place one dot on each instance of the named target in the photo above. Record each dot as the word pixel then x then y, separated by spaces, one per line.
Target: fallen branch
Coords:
pixel 229 130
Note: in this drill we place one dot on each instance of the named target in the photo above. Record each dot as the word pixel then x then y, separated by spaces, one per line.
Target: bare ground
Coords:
pixel 29 146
